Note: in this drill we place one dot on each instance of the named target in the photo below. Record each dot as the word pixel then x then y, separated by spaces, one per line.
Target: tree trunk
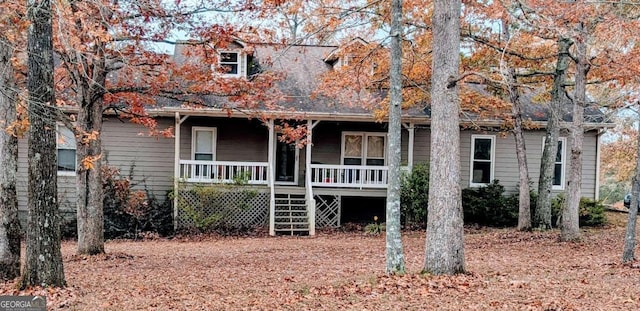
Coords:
pixel 524 198
pixel 628 253
pixel 547 164
pixel 9 225
pixel 445 238
pixel 570 230
pixel 89 181
pixel 91 74
pixel 394 254
pixel 43 264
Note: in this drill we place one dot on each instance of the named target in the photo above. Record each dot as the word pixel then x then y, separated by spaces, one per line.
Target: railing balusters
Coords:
pixel 349 176
pixel 354 176
pixel 223 171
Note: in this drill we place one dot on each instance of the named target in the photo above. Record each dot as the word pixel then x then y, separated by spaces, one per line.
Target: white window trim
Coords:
pixel 214 138
pixel 65 173
pixel 346 59
pixel 563 163
pixel 492 160
pixel 242 59
pixel 364 145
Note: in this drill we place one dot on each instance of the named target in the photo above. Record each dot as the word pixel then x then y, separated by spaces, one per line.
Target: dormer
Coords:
pixel 343 56
pixel 234 60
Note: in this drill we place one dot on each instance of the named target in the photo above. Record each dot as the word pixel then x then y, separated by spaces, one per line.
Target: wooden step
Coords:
pixel 287 209
pixel 291 223
pixel 282 226
pixel 282 218
pixel 291 214
pixel 302 204
pixel 294 229
pixel 287 203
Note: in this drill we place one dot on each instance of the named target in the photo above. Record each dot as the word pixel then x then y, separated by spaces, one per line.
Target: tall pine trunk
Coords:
pixel 9 224
pixel 394 254
pixel 445 238
pixel 524 198
pixel 43 263
pixel 542 217
pixel 570 230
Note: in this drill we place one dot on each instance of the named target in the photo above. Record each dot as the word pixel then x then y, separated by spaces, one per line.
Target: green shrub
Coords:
pixel 375 227
pixel 414 196
pixel 488 206
pixel 591 213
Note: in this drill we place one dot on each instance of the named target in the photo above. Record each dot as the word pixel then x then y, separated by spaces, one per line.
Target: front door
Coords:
pixel 286 163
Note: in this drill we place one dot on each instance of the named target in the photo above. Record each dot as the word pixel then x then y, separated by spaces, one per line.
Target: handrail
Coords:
pixel 345 176
pixel 254 173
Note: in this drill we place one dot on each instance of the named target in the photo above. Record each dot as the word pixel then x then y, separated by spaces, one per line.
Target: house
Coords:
pixel 341 173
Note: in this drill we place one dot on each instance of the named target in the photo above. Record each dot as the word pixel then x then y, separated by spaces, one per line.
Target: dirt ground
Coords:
pixel 507 270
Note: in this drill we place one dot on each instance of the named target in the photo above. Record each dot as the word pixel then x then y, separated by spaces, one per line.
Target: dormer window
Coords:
pixel 346 60
pixel 231 63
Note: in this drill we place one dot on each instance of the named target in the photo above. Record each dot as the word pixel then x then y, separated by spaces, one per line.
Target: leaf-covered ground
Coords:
pixel 508 270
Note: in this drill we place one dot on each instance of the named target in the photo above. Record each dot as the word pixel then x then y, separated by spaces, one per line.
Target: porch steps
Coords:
pixel 291 214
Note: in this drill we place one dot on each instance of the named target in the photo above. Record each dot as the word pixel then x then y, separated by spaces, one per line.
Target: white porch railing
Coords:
pixel 349 176
pixel 254 173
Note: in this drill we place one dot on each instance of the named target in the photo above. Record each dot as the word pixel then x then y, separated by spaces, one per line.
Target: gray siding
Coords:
pixel 422 145
pixel 236 139
pixel 66 185
pixel 506 164
pixel 126 146
pixel 151 159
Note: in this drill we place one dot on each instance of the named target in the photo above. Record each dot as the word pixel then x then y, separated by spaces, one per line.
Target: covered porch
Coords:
pixel 345 156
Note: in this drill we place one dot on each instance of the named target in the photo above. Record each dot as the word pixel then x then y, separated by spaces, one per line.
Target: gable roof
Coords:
pixel 303 67
pixel 336 53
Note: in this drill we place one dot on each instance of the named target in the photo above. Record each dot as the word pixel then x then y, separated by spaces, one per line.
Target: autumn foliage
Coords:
pixel 619 154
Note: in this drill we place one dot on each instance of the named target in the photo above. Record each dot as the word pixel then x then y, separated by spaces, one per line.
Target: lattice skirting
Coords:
pixel 328 211
pixel 205 207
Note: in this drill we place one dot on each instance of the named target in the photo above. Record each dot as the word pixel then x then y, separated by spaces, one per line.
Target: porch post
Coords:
pixel 311 202
pixel 307 154
pixel 176 166
pixel 270 175
pixel 176 169
pixel 411 142
pixel 596 195
pixel 411 129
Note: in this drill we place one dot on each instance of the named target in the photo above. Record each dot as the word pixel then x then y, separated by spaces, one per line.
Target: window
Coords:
pixel 66 147
pixel 360 148
pixel 346 60
pixel 558 170
pixel 230 63
pixel 482 159
pixel 203 143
